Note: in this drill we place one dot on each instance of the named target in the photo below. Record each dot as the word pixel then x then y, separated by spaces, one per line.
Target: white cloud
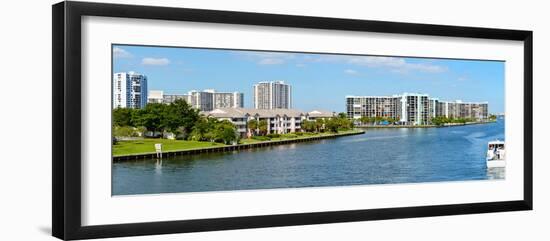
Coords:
pixel 121 53
pixel 351 72
pixel 155 61
pixel 394 64
pixel 271 61
pixel 266 58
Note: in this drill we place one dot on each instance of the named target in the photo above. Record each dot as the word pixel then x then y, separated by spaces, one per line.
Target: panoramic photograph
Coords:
pixel 201 120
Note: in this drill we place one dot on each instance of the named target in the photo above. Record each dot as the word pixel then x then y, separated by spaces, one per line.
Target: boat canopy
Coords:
pixel 499 144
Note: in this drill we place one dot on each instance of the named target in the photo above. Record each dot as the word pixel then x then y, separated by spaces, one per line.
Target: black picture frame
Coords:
pixel 66 127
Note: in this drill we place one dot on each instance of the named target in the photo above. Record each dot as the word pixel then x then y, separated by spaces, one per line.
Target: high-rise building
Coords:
pixel 374 106
pixel 129 90
pixel 413 109
pixel 459 109
pixel 272 95
pixel 170 98
pixel 228 100
pixel 202 100
pixel 205 100
pixel 210 99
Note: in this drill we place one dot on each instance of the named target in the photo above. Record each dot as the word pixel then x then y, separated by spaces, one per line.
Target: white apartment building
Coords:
pixel 170 98
pixel 205 100
pixel 460 109
pixel 228 100
pixel 413 108
pixel 129 90
pixel 272 95
pixel 202 100
pixel 155 96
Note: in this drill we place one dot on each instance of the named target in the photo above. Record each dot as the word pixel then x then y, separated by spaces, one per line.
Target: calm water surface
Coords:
pixel 379 156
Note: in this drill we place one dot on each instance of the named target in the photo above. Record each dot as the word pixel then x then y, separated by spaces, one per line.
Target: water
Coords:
pixel 379 156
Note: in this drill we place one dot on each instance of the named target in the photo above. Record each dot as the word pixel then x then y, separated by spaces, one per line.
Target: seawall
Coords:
pixel 227 148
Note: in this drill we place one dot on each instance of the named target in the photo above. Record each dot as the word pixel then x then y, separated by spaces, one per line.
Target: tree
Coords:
pixel 333 124
pixel 364 120
pixel 124 131
pixel 201 128
pixel 262 126
pixel 151 117
pixel 253 126
pixel 439 120
pixel 225 132
pixel 122 116
pixel 342 115
pixel 319 124
pixel 308 126
pixel 181 114
pixel 228 134
pixel 378 119
pixel 391 120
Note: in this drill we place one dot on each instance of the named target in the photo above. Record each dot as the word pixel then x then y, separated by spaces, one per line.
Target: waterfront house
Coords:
pixel 279 121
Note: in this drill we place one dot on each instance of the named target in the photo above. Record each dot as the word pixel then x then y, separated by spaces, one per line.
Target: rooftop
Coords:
pixel 240 112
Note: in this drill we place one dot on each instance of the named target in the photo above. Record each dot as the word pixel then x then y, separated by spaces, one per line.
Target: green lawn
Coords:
pixel 123 148
pixel 148 146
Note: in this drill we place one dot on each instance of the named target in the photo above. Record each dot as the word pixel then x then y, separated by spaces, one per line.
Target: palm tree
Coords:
pixel 262 126
pixel 319 124
pixel 364 120
pixel 253 126
pixel 378 119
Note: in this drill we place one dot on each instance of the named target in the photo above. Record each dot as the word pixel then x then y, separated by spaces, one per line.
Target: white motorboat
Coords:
pixel 496 155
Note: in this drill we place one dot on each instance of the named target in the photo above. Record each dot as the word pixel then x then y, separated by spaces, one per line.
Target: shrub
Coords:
pixel 273 135
pixel 289 135
pixel 126 131
pixel 261 138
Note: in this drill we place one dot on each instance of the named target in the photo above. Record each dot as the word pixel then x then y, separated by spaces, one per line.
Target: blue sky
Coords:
pixel 319 81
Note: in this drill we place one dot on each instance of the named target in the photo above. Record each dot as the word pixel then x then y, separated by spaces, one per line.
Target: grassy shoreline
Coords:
pixel 146 146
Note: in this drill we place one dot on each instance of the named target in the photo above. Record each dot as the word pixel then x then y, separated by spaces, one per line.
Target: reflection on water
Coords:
pixel 496 173
pixel 406 155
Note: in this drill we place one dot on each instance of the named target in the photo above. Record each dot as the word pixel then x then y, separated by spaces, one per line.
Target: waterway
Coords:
pixel 380 156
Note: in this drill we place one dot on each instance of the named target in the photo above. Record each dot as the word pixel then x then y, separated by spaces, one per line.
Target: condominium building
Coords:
pixel 155 96
pixel 374 106
pixel 413 108
pixel 170 98
pixel 272 95
pixel 459 109
pixel 279 121
pixel 202 100
pixel 129 90
pixel 228 100
pixel 205 100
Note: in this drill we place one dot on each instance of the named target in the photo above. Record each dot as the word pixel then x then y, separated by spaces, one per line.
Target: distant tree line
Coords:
pixel 438 121
pixel 333 124
pixel 179 118
pixel 441 120
pixel 365 120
